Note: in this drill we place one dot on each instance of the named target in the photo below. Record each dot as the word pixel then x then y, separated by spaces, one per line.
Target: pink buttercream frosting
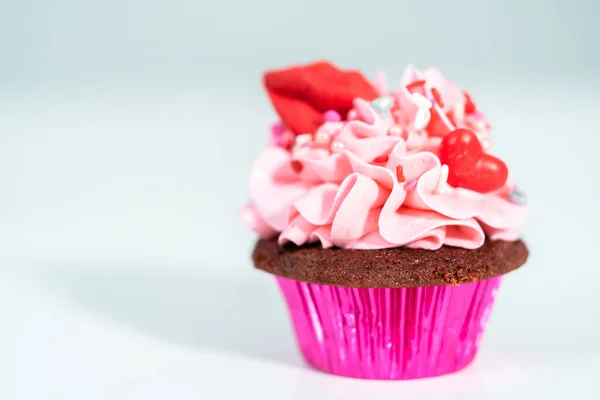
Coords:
pixel 340 186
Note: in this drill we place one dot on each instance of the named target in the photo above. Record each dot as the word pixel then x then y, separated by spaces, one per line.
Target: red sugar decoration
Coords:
pixel 415 85
pixel 400 174
pixel 469 105
pixel 437 97
pixel 301 94
pixel 297 166
pixel 380 159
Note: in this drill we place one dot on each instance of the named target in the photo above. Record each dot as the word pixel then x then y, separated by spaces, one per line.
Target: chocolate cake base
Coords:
pixel 399 267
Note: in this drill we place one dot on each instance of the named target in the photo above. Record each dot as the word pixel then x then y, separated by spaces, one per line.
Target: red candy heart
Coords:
pixel 302 94
pixel 468 166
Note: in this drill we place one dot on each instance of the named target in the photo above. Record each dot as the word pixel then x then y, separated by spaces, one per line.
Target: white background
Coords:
pixel 126 134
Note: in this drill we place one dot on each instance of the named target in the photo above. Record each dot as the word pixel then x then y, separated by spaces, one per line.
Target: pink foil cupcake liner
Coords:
pixel 389 333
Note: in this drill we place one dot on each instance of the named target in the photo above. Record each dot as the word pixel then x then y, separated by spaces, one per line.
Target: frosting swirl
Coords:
pixel 376 181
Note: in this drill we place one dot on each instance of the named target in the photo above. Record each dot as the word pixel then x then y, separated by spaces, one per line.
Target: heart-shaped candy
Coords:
pixel 469 166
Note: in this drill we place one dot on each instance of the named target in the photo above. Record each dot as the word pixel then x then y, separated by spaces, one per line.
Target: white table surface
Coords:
pixel 125 274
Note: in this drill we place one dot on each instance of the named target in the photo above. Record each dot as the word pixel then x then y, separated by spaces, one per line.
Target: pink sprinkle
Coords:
pixel 352 115
pixel 332 116
pixel 277 129
pixel 410 184
pixel 287 140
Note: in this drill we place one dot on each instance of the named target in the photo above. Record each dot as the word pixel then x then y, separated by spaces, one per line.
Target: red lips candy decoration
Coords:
pixel 468 166
pixel 302 94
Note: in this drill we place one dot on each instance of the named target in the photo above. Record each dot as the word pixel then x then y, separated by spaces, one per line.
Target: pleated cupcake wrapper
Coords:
pixel 389 333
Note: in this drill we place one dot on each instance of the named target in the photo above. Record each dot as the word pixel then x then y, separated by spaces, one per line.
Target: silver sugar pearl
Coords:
pixel 382 105
pixel 517 196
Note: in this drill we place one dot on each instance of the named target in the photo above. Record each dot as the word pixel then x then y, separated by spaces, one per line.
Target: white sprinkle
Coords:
pixel 395 130
pixel 322 137
pixel 337 146
pixel 421 101
pixel 303 139
pixel 486 144
pixel 422 119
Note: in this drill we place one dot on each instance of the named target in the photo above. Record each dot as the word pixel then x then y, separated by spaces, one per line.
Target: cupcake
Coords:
pixel 386 220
